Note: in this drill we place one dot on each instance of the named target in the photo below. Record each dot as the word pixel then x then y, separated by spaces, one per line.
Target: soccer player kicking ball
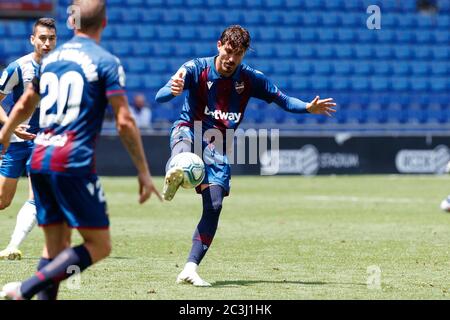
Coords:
pixel 15 161
pixel 218 88
pixel 76 82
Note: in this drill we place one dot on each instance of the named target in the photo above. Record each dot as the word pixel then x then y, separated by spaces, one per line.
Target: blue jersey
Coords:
pixel 15 78
pixel 74 82
pixel 220 102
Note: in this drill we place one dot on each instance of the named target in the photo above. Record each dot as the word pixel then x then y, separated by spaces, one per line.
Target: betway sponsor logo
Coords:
pixel 423 161
pixel 47 139
pixel 221 115
pixel 306 161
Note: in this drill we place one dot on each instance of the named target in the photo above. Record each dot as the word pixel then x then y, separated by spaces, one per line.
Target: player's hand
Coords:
pixel 178 83
pixel 21 132
pixel 324 106
pixel 146 188
pixel 5 142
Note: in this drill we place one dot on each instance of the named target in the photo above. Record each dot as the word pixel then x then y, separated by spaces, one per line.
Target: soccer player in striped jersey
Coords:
pixel 76 82
pixel 15 78
pixel 218 89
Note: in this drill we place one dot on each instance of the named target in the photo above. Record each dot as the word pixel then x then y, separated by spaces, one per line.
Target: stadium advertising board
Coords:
pixel 305 156
pixel 26 8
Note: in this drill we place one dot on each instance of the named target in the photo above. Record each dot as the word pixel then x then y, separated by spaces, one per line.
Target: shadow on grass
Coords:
pixel 252 282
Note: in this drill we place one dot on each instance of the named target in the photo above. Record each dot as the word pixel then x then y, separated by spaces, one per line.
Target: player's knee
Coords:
pixel 215 207
pixel 4 203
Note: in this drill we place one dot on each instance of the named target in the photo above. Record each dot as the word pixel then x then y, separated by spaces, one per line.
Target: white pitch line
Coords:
pixel 362 199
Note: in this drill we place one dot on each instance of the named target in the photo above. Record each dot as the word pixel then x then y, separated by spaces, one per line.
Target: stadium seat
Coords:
pixel 440 84
pixel 125 32
pixel 285 51
pixel 233 17
pixel 131 15
pixel 442 37
pixel 343 51
pixel 330 20
pixel 346 35
pixel 325 51
pixel 18 29
pixel 172 16
pixel 440 68
pixel 364 51
pixel 292 18
pixel 303 68
pixel 379 84
pixel 383 52
pixel 443 22
pixel 381 68
pixel 420 68
pixel 142 49
pixel 441 52
pixel 253 18
pixel 322 68
pixel 288 35
pixel 326 35
pixel 304 51
pixel 314 4
pixel 272 18
pixel 362 68
pixel 400 83
pixel 342 68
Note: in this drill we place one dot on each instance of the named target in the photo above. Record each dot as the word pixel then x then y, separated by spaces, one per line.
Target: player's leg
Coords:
pixel 180 141
pixel 8 187
pixel 69 261
pixel 26 220
pixel 445 204
pixel 51 219
pixel 57 239
pixel 212 197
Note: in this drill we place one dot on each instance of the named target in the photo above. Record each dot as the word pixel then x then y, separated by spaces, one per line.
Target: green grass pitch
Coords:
pixel 279 238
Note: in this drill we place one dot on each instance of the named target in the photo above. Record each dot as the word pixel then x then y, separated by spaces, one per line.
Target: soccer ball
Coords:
pixel 445 204
pixel 193 168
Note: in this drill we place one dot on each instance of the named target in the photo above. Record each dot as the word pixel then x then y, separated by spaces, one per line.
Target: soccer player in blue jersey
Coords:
pixel 218 89
pixel 15 161
pixel 74 86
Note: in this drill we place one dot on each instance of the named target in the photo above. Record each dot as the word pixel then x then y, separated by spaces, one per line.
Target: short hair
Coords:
pixel 237 37
pixel 45 22
pixel 92 13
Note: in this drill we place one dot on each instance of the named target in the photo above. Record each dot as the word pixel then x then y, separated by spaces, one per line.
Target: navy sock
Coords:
pixel 206 228
pixel 51 291
pixel 56 271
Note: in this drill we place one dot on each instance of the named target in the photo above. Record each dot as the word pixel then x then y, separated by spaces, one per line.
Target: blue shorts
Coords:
pixel 217 167
pixel 78 201
pixel 16 160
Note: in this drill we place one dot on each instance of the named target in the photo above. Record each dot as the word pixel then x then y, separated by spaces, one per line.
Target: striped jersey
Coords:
pixel 220 102
pixel 14 80
pixel 75 82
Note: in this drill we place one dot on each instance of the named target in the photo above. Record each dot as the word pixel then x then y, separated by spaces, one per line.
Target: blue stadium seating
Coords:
pixel 304 46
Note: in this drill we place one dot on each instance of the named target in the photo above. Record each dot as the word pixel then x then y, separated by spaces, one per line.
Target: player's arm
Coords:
pixel 175 86
pixel 8 84
pixel 22 110
pixel 3 115
pixel 131 138
pixel 266 90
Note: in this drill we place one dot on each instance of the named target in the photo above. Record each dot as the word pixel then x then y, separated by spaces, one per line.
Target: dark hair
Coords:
pixel 92 13
pixel 237 37
pixel 45 22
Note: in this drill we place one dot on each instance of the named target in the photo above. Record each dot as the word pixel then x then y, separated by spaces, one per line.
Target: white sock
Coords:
pixel 191 266
pixel 26 220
